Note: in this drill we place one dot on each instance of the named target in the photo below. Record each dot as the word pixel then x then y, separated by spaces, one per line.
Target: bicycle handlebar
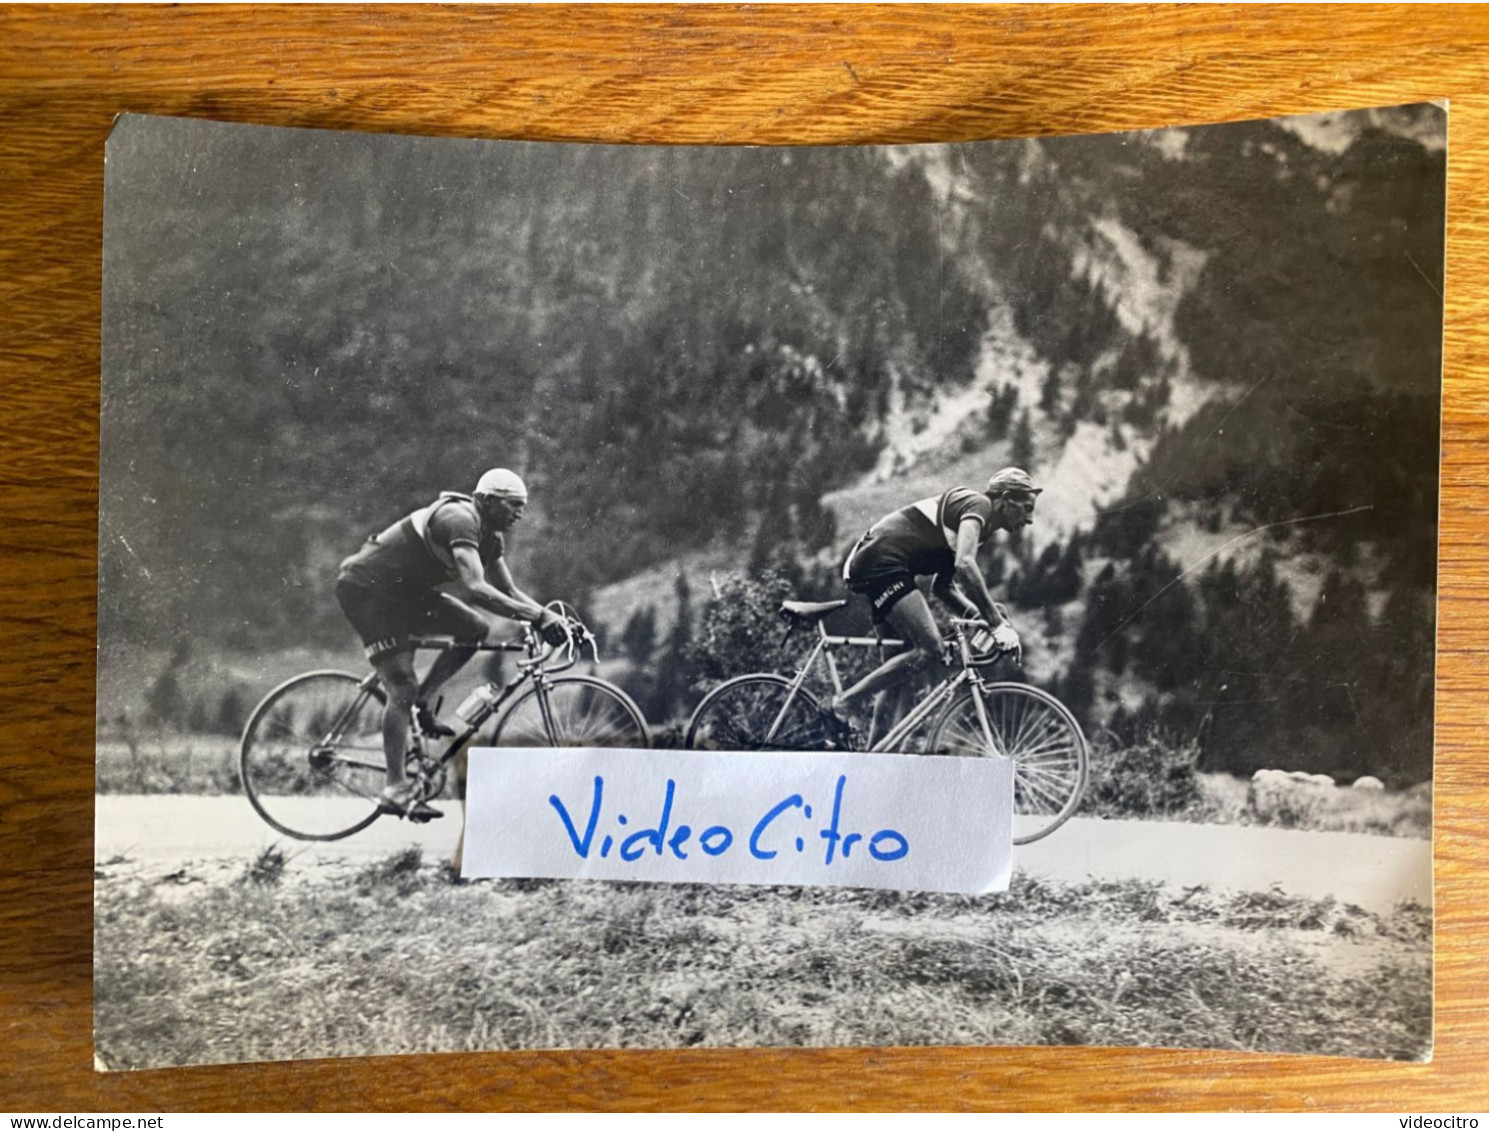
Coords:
pixel 576 637
pixel 978 624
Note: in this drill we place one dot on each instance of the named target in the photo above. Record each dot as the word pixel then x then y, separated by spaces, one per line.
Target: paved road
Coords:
pixel 1373 872
pixel 1370 871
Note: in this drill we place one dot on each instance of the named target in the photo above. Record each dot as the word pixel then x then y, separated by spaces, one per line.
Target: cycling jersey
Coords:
pixel 389 589
pixel 915 541
pixel 418 552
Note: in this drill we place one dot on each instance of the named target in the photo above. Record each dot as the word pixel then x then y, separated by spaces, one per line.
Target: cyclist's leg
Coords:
pixel 450 616
pixel 384 621
pixel 395 667
pixel 910 618
pixel 889 708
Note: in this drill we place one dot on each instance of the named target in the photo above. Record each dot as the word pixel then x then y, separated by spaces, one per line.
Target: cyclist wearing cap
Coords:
pixel 398 585
pixel 937 537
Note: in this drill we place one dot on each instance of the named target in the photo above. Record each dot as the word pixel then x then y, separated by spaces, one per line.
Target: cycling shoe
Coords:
pixel 840 732
pixel 403 801
pixel 428 724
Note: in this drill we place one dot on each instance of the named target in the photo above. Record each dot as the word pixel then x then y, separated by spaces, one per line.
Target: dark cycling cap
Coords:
pixel 1011 479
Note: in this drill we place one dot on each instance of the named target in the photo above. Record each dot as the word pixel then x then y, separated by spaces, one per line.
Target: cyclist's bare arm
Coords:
pixel 967 577
pixel 483 594
pixel 500 576
pixel 946 588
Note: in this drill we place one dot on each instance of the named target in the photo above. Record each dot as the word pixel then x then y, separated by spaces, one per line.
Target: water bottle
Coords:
pixel 476 704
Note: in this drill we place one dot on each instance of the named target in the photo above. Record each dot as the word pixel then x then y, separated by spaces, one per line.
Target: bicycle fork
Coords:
pixel 545 710
pixel 979 690
pixel 988 734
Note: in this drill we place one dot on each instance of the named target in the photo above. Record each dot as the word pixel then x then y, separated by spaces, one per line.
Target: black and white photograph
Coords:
pixel 1113 456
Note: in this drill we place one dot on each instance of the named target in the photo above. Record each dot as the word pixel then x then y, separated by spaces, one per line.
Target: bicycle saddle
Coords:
pixel 809 610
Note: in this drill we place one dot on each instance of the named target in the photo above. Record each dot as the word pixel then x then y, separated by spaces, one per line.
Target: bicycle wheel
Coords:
pixel 1034 729
pixel 585 711
pixel 312 756
pixel 740 715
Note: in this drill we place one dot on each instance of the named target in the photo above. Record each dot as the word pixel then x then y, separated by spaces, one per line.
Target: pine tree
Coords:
pixel 1078 689
pixel 1022 450
pixel 165 702
pixel 1001 403
pixel 673 676
pixel 1068 575
pixel 1049 394
pixel 639 637
pixel 231 712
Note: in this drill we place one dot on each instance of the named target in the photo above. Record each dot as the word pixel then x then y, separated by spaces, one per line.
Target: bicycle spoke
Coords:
pixel 580 712
pixel 1039 738
pixel 968 739
pixel 312 757
pixel 1053 764
pixel 739 716
pixel 1017 741
pixel 1048 733
pixel 1060 745
pixel 1051 798
pixel 1049 770
pixel 353 790
pixel 565 725
pixel 595 727
pixel 1058 782
pixel 584 725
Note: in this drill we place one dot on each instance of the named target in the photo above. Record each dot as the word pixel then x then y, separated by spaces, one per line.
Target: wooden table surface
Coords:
pixel 764 75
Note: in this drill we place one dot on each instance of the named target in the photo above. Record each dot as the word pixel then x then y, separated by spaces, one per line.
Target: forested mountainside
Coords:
pixel 670 344
pixel 1219 347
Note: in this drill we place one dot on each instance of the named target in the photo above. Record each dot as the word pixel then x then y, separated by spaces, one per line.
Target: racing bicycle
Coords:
pixel 312 752
pixel 964 715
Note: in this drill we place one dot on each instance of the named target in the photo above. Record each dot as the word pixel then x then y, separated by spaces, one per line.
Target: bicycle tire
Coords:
pixel 606 717
pixel 311 756
pixel 738 714
pixel 1040 735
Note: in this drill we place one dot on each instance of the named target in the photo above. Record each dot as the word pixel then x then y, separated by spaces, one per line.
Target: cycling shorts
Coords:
pixel 880 571
pixel 386 619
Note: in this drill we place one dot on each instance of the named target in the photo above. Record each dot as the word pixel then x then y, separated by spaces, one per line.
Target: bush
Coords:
pixel 740 630
pixel 1299 807
pixel 1156 775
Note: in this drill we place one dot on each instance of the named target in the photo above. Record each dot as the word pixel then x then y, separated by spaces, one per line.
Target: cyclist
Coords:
pixel 937 537
pixel 421 576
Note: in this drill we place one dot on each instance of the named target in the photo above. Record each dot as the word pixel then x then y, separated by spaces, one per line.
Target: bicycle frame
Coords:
pixel 317 735
pixel 929 703
pixel 534 668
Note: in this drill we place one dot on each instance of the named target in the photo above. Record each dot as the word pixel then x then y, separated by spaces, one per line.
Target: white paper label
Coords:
pixel 682 816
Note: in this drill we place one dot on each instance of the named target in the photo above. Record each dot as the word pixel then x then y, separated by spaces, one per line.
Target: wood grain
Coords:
pixel 759 75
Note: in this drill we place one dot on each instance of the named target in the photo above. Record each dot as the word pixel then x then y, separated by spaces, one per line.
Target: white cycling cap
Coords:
pixel 502 483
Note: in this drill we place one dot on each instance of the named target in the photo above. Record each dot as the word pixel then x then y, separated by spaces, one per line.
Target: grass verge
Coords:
pixel 396 958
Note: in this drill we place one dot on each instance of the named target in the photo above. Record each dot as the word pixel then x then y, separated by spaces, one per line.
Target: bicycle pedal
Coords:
pixel 421 811
pixel 841 733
